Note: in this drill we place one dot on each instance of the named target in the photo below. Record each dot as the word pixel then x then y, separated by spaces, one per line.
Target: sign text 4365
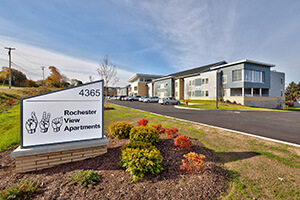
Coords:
pixel 90 92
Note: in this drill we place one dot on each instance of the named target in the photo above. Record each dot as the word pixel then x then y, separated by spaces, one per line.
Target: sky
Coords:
pixel 152 37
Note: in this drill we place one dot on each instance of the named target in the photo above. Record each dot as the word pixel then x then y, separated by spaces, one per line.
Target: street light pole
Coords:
pixel 217 89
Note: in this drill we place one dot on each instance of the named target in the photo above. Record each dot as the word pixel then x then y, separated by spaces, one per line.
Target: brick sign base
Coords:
pixel 38 158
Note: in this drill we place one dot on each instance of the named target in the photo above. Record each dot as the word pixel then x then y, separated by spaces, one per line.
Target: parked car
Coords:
pixel 121 97
pixel 115 97
pixel 135 98
pixel 168 100
pixel 125 98
pixel 151 99
pixel 141 99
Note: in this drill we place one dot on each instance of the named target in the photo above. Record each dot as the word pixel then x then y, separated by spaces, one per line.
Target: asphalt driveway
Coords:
pixel 284 126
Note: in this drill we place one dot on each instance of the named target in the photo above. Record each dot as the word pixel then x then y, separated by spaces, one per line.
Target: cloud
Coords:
pixel 29 59
pixel 197 32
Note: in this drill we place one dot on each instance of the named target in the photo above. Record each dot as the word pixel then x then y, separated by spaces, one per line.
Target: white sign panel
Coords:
pixel 67 115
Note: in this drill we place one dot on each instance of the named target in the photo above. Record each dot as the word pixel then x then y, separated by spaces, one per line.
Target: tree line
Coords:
pixel 19 79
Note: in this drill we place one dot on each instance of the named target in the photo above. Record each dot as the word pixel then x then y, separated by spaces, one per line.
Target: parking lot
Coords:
pixel 284 126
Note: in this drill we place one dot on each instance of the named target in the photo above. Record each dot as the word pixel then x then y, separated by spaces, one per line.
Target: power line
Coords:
pixel 14 64
pixel 33 61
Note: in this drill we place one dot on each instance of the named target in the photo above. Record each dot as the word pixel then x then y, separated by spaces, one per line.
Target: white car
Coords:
pixel 141 99
pixel 151 99
pixel 168 100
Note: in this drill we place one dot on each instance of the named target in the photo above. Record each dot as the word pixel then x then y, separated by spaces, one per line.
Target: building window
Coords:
pixel 158 86
pixel 198 82
pixel 198 93
pixel 176 94
pixel 135 88
pixel 281 80
pixel 204 81
pixel 193 93
pixel 190 83
pixel 248 75
pixel 206 93
pixel 256 76
pixel 176 84
pixel 237 75
pixel 224 79
pixel 193 82
pixel 281 93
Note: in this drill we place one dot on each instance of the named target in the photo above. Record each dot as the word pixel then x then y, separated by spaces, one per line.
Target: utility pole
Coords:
pixel 9 55
pixel 43 68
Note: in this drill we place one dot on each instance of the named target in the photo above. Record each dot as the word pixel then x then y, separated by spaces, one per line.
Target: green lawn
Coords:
pixel 257 168
pixel 205 104
pixel 10 128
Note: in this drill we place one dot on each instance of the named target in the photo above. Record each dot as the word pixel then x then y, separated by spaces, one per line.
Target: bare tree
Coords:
pixel 108 73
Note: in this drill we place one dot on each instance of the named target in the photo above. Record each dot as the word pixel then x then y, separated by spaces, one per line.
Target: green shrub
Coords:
pixel 137 145
pixel 20 191
pixel 144 134
pixel 139 158
pixel 120 130
pixel 86 178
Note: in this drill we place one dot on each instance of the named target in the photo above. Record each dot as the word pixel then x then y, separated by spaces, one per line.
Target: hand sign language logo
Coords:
pixel 31 123
pixel 56 123
pixel 45 122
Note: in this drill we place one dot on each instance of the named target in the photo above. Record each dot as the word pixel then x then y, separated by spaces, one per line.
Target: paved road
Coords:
pixel 284 126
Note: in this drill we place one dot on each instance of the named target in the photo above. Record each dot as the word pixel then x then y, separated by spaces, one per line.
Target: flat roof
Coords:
pixel 136 76
pixel 243 61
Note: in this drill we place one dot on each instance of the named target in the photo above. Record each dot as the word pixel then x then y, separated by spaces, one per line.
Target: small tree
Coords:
pixel 56 79
pixel 108 73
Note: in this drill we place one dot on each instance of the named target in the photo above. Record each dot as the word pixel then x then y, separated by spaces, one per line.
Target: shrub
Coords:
pixel 159 128
pixel 139 158
pixel 137 145
pixel 86 178
pixel 171 132
pixel 193 162
pixel 142 122
pixel 21 191
pixel 120 130
pixel 182 142
pixel 289 103
pixel 144 134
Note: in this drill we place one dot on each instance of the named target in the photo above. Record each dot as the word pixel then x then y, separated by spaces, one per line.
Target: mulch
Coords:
pixel 115 182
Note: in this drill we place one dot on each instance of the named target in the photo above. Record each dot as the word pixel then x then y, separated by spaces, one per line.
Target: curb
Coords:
pixel 180 107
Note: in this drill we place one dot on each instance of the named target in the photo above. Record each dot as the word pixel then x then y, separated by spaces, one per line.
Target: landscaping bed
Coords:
pixel 116 183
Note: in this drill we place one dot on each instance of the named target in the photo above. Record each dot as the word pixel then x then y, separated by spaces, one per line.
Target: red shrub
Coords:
pixel 182 142
pixel 159 128
pixel 10 102
pixel 193 162
pixel 171 132
pixel 142 122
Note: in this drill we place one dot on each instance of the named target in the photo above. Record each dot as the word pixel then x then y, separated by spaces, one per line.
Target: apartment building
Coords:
pixel 247 82
pixel 139 84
